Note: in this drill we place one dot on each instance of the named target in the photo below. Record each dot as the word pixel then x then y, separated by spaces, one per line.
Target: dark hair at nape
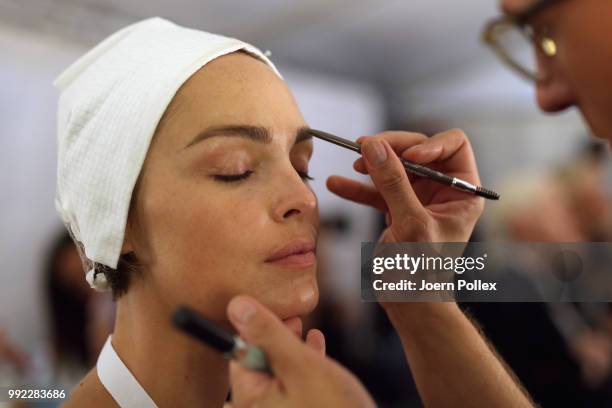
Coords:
pixel 67 312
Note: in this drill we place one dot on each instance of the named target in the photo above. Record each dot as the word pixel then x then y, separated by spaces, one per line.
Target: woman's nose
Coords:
pixel 294 198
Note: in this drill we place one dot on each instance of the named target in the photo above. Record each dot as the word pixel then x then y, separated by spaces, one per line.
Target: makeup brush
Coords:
pixel 414 168
pixel 229 345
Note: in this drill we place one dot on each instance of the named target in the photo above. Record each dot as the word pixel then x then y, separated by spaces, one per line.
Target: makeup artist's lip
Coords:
pixel 297 253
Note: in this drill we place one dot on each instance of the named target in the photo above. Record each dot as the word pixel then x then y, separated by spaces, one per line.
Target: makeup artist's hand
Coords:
pixel 303 375
pixel 443 348
pixel 417 209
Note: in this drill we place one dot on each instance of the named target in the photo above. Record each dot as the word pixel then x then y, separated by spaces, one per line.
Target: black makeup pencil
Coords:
pixel 414 168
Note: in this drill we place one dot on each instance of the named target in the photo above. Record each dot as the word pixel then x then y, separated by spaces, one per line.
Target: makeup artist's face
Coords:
pixel 217 198
pixel 581 72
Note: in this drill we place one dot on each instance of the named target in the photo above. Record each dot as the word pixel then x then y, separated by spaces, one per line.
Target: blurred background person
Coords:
pixel 80 319
pixel 562 352
pixel 13 361
pixel 78 322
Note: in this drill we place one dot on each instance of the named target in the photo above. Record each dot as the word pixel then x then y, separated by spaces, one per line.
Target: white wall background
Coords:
pixel 27 173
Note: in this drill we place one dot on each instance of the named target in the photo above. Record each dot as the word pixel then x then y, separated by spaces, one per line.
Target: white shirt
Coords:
pixel 119 381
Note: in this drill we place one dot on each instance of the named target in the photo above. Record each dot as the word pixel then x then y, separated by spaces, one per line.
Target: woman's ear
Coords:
pixel 132 223
pixel 127 246
pixel 128 238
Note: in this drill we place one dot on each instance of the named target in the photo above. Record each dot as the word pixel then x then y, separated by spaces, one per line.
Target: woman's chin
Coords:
pixel 302 301
pixel 308 302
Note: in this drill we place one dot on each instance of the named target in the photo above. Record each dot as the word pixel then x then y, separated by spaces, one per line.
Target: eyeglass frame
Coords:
pixel 520 21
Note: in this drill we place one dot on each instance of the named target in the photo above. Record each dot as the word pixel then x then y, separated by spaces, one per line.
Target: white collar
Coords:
pixel 119 381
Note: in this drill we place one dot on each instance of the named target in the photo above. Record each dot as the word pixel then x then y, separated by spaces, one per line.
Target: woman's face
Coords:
pixel 222 190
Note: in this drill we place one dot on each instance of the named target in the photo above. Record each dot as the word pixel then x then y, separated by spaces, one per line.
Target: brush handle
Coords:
pixel 193 323
pixel 414 168
pixel 427 172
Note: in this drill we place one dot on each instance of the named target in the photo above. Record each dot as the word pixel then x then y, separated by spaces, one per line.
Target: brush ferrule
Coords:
pixel 249 356
pixel 463 185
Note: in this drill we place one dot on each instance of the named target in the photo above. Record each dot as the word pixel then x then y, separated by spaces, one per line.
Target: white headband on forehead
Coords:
pixel 111 101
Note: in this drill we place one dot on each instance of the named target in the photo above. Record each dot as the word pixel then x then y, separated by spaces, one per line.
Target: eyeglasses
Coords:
pixel 512 39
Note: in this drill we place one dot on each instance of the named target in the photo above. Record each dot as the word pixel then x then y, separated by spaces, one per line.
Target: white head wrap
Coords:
pixel 111 102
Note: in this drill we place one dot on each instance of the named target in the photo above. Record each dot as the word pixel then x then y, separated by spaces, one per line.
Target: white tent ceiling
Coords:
pixel 387 41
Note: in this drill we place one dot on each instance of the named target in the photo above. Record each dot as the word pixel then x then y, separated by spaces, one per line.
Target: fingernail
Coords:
pixel 388 219
pixel 416 148
pixel 426 150
pixel 360 139
pixel 375 152
pixel 241 310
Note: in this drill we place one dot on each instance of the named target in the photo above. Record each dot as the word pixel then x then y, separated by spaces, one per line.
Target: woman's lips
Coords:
pixel 302 260
pixel 298 253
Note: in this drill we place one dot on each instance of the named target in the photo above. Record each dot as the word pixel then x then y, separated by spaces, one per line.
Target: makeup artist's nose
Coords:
pixel 294 199
pixel 553 91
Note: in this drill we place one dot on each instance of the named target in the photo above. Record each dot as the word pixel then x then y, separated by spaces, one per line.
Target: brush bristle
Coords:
pixel 489 194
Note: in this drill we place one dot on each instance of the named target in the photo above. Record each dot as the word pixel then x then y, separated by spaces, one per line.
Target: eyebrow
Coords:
pixel 258 134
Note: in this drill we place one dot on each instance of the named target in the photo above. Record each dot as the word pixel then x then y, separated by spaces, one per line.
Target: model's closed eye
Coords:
pixel 234 178
pixel 231 178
